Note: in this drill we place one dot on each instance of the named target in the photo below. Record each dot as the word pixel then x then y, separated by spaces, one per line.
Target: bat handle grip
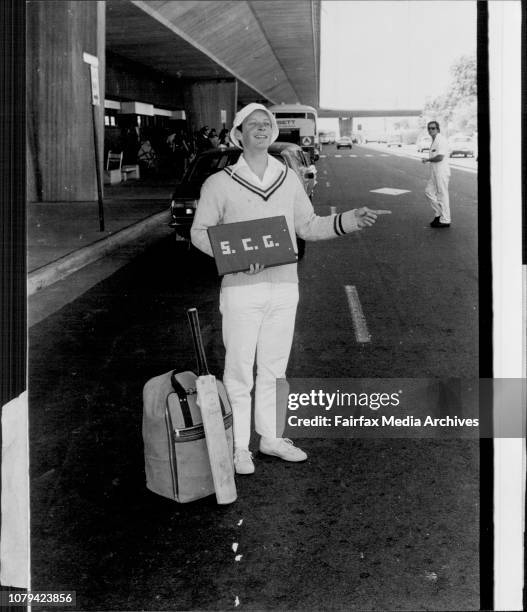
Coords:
pixel 201 360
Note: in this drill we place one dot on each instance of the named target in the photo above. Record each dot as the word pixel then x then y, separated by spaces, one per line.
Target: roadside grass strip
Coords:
pixel 357 316
pixel 390 191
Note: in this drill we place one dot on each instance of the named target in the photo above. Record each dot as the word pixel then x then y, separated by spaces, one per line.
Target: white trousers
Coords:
pixel 257 320
pixel 437 193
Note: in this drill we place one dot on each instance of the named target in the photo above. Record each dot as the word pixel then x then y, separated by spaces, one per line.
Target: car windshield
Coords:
pixel 209 164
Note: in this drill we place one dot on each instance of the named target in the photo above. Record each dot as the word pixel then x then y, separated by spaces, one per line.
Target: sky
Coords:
pixel 391 54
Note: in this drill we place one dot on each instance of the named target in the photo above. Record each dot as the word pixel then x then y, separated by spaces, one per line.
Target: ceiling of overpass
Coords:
pixel 271 47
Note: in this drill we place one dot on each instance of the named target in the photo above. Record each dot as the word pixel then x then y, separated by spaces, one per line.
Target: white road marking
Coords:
pixel 338 155
pixel 322 156
pixel 390 191
pixel 234 546
pixel 368 155
pixel 328 184
pixel 357 316
pixel 353 155
pixel 238 557
pixel 384 155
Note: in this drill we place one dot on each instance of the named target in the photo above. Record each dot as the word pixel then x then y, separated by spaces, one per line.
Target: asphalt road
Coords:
pixel 363 524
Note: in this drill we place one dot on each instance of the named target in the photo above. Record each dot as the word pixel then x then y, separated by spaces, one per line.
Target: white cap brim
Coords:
pixel 242 114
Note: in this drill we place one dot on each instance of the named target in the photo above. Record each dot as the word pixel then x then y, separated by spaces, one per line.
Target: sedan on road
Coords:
pixel 462 145
pixel 185 197
pixel 343 142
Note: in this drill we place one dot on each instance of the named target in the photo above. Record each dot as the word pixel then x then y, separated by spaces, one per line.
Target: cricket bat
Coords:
pixel 220 455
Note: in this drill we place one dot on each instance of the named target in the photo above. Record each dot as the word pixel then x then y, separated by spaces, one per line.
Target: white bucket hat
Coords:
pixel 243 114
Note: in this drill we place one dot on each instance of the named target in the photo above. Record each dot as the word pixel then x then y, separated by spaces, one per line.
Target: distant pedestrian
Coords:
pixel 180 152
pixel 224 137
pixel 213 137
pixel 437 187
pixel 202 139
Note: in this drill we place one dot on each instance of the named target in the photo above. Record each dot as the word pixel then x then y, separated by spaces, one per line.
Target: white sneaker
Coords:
pixel 243 461
pixel 283 448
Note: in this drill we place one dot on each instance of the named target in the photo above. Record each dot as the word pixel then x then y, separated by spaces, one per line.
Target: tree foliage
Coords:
pixel 457 108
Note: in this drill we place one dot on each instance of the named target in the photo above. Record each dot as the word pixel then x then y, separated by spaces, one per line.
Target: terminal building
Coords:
pixel 156 68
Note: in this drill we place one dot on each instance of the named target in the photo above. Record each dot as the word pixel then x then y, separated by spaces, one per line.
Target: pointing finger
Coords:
pixel 382 212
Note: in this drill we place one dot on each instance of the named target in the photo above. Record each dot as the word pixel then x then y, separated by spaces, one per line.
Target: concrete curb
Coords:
pixel 63 267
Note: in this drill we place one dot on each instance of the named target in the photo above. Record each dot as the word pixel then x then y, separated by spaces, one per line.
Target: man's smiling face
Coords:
pixel 256 131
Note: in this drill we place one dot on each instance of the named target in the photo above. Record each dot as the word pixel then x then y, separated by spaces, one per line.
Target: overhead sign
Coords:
pixel 307 141
pixel 94 76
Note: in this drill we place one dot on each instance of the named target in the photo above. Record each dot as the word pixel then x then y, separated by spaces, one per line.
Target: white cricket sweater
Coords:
pixel 237 194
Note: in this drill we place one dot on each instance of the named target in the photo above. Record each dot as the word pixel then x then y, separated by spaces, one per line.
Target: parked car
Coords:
pixel 324 139
pixel 343 142
pixel 185 197
pixel 423 144
pixel 462 145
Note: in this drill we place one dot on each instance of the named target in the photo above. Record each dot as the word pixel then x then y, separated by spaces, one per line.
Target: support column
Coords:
pixel 204 101
pixel 345 126
pixel 61 166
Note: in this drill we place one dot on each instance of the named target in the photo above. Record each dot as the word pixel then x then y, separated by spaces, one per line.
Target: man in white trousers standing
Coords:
pixel 437 187
pixel 258 306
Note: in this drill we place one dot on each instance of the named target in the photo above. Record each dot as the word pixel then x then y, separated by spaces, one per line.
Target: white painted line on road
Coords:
pixel 390 191
pixel 368 155
pixel 322 156
pixel 357 316
pixel 338 155
pixel 353 155
pixel 384 155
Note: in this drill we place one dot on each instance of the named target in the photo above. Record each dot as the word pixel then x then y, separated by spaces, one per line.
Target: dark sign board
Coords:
pixel 238 245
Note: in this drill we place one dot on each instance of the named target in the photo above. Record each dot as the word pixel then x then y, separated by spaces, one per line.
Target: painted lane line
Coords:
pixel 357 316
pixel 338 155
pixel 368 155
pixel 384 155
pixel 353 155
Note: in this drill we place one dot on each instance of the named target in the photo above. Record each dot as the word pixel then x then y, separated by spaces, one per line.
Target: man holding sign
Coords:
pixel 258 306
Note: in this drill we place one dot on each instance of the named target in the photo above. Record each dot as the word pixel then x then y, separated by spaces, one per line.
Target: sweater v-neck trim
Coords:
pixel 266 193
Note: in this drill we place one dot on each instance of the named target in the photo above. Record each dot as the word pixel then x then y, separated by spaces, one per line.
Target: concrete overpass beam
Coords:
pixel 345 125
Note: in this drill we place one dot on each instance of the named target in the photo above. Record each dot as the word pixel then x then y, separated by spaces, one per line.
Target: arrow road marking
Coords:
pixel 357 316
pixel 390 191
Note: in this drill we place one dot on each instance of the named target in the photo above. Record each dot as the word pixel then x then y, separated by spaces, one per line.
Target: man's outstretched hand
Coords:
pixel 367 217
